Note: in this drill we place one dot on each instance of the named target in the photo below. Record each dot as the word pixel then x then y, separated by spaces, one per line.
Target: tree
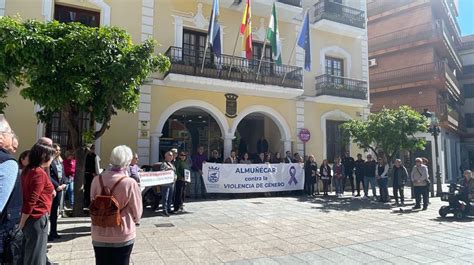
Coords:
pixel 388 131
pixel 78 71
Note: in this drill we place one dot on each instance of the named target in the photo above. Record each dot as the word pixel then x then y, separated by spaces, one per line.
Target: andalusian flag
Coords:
pixel 246 30
pixel 273 36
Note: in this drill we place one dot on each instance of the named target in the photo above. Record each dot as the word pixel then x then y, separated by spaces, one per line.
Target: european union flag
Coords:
pixel 304 41
pixel 214 31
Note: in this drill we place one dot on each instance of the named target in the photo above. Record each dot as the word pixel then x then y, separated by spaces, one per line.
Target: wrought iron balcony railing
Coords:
pixel 189 62
pixel 336 12
pixel 296 3
pixel 329 85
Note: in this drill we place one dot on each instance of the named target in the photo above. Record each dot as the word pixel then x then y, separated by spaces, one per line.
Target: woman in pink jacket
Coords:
pixel 113 245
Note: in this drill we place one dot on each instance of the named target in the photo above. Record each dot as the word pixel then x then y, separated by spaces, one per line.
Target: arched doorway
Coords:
pixel 189 128
pixel 256 122
pixel 184 119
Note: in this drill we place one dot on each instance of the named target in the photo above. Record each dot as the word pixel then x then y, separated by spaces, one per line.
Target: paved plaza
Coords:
pixel 286 230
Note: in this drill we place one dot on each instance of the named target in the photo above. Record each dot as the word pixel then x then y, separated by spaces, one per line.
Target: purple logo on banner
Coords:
pixel 292 171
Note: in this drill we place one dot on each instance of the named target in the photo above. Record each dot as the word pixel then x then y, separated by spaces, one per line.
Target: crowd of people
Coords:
pixel 31 193
pixel 33 190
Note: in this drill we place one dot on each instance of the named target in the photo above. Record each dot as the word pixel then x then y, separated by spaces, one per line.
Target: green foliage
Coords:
pixel 390 131
pixel 72 69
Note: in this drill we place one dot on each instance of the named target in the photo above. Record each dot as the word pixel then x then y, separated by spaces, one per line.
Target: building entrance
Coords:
pixel 257 133
pixel 189 128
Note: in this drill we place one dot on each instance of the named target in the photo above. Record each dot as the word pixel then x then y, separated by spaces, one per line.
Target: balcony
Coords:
pixel 336 12
pixel 328 85
pixel 438 73
pixel 272 77
pixel 422 34
pixel 296 3
pixel 379 6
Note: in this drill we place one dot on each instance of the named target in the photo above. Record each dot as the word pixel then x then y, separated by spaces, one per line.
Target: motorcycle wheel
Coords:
pixel 443 211
pixel 148 198
pixel 459 215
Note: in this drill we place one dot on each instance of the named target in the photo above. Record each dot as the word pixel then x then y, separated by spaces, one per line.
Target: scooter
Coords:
pixel 456 206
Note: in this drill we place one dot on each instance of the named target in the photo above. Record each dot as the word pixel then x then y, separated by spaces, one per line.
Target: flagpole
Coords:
pixel 261 57
pixel 233 53
pixel 289 60
pixel 204 57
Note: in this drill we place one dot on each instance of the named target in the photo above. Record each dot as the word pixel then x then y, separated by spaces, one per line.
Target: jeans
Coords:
pixel 326 186
pixel 110 255
pixel 35 239
pixel 396 191
pixel 53 228
pixel 371 181
pixel 338 184
pixel 309 187
pixel 383 185
pixel 359 181
pixel 419 192
pixel 167 194
pixel 349 176
pixel 179 194
pixel 70 191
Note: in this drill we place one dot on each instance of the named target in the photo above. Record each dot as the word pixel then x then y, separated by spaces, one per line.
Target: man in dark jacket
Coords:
pixel 56 180
pixel 262 145
pixel 400 176
pixel 348 163
pixel 369 176
pixel 359 165
pixel 10 196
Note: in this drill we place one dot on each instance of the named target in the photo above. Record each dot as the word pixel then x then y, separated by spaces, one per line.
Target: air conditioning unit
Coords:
pixel 372 62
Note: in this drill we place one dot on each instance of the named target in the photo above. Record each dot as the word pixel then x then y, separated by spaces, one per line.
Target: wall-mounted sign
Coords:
pixel 231 105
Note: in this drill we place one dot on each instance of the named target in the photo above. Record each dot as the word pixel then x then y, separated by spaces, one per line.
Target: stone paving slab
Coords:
pixel 285 230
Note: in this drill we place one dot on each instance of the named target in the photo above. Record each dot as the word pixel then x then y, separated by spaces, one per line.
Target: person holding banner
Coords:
pixel 325 173
pixel 180 186
pixel 245 159
pixel 167 189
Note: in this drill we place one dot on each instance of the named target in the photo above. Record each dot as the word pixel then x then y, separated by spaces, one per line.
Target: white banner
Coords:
pixel 243 178
pixel 156 178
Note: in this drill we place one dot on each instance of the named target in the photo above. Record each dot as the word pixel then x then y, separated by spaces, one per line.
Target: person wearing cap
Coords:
pixel 419 177
pixel 180 185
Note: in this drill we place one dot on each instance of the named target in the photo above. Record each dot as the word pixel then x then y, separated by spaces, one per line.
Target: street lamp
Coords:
pixel 435 131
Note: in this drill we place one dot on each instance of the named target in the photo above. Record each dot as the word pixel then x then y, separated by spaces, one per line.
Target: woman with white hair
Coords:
pixel 113 245
pixel 419 178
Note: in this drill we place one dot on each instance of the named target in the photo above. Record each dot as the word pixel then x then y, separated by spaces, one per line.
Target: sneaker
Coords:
pixel 353 194
pixel 416 207
pixel 358 195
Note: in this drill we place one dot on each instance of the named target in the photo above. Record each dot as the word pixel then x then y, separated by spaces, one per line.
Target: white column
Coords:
pixel 2 8
pixel 155 147
pixel 228 144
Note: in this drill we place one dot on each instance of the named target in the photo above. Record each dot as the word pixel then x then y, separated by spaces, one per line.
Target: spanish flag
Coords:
pixel 246 31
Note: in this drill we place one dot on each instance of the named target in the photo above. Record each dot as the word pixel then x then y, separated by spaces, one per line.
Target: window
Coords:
pixel 469 120
pixel 334 145
pixel 194 44
pixel 335 68
pixel 468 90
pixel 257 51
pixel 67 14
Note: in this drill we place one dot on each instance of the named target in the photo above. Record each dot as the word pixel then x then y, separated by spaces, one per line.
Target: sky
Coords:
pixel 466 17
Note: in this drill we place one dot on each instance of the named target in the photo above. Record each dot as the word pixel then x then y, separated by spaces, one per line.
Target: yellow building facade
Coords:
pixel 227 103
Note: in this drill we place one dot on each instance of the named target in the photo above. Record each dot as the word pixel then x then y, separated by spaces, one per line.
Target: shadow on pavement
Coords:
pixel 349 204
pixel 73 233
pixel 451 219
